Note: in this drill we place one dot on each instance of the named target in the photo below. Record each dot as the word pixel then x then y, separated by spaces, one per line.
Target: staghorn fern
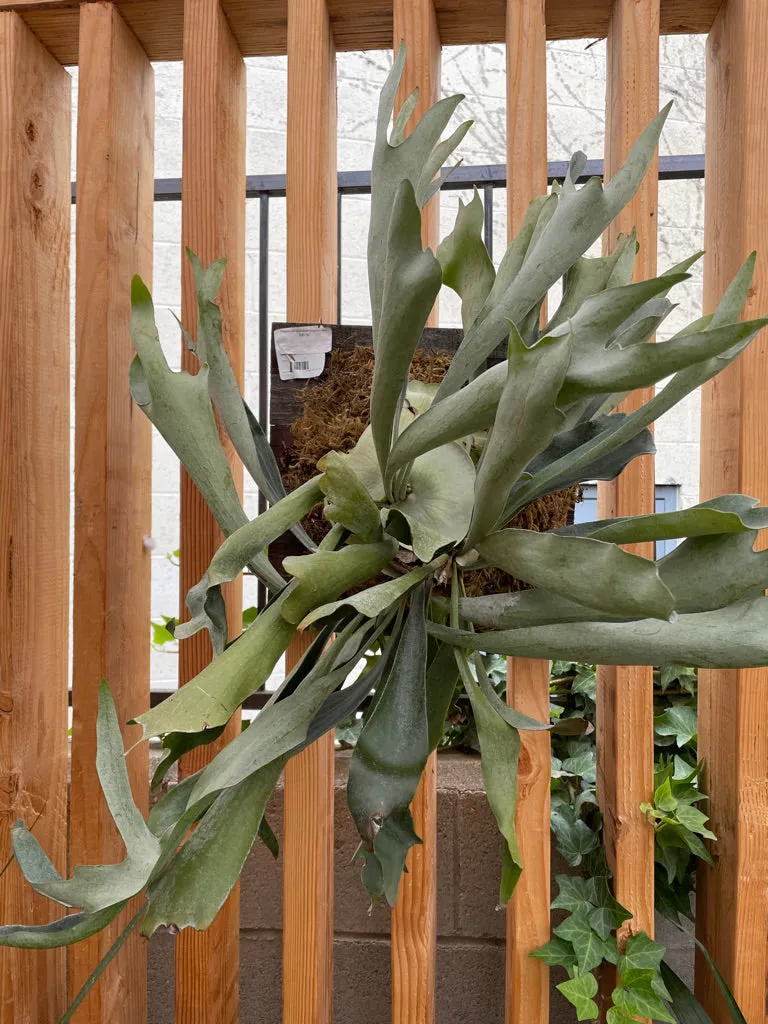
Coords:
pixel 422 501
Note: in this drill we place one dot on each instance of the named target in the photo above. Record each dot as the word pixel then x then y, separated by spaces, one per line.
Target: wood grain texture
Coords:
pixel 625 694
pixel 310 297
pixel 34 496
pixel 732 900
pixel 415 23
pixel 528 925
pixel 113 466
pixel 526 108
pixel 414 917
pixel 311 165
pixel 261 29
pixel 213 225
pixel 308 875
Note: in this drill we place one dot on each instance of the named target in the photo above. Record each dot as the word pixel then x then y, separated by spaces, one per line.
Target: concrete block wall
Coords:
pixel 576 87
pixel 470 959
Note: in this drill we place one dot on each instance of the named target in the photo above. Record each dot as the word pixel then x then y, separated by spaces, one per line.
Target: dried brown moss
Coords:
pixel 336 408
pixel 336 414
pixel 546 513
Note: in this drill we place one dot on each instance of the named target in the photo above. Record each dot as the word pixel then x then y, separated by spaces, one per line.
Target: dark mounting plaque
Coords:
pixel 286 405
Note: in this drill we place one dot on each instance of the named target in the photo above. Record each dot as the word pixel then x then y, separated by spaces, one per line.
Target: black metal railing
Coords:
pixel 486 179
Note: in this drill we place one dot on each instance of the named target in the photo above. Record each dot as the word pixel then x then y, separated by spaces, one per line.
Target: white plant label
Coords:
pixel 301 351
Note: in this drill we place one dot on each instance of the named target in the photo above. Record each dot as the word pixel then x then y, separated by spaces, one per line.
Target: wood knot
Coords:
pixel 10 783
pixel 30 130
pixel 6 702
pixel 525 767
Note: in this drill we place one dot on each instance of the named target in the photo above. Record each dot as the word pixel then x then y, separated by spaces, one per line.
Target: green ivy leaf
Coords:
pixel 663 798
pixel 685 676
pixel 603 921
pixel 574 839
pixel 557 953
pixel 679 721
pixel 583 764
pixel 580 991
pixel 160 632
pixel 694 820
pixel 641 1002
pixel 585 682
pixel 572 895
pixel 617 1016
pixel 589 947
pixel 641 953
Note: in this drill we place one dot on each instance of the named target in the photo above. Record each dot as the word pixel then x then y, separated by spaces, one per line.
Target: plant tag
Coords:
pixel 301 351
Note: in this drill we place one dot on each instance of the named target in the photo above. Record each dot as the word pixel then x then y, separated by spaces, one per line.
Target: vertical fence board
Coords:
pixel 308 875
pixel 414 918
pixel 34 494
pixel 415 23
pixel 625 694
pixel 527 979
pixel 113 441
pixel 732 901
pixel 311 296
pixel 213 225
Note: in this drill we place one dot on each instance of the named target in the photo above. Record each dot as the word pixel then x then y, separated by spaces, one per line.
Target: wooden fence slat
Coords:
pixel 308 875
pixel 113 456
pixel 415 23
pixel 213 225
pixel 35 98
pixel 732 900
pixel 528 922
pixel 528 926
pixel 414 918
pixel 312 242
pixel 625 694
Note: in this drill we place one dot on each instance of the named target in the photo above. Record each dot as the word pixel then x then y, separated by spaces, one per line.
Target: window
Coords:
pixel 666 501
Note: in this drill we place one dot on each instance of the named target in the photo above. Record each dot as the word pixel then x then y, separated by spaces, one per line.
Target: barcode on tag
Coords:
pixel 301 350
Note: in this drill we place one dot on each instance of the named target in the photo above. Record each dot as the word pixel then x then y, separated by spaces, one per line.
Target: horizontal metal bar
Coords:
pixel 157 695
pixel 671 168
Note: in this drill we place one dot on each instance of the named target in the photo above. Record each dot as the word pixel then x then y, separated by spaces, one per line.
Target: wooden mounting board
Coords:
pixel 286 404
